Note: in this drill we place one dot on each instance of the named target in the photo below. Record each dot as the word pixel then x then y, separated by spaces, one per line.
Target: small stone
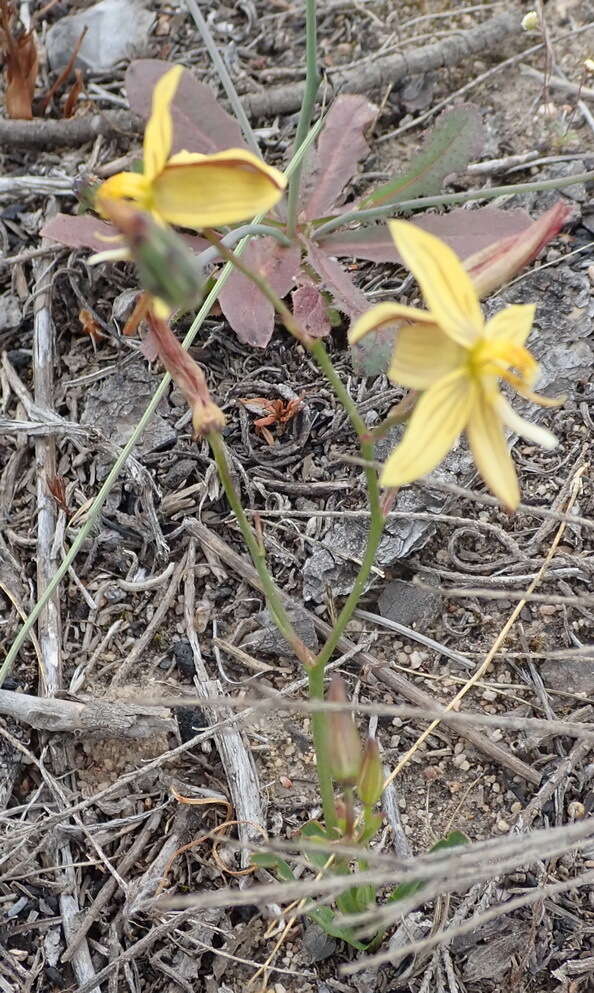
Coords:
pixel 489 695
pixel 576 810
pixel 408 604
pixel 184 657
pixel 115 30
pixel 502 825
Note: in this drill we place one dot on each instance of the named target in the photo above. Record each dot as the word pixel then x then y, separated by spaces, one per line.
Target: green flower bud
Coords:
pixel 371 778
pixel 344 745
pixel 531 21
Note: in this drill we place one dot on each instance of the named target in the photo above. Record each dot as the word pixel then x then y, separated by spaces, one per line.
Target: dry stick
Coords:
pixel 482 669
pixel 396 682
pixel 93 718
pixel 49 626
pixel 240 770
pixel 108 889
pixel 153 626
pixel 563 770
pixel 76 131
pixel 378 72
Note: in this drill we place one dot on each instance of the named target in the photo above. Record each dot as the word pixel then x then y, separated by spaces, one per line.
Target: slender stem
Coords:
pixel 312 82
pixel 232 237
pixel 257 552
pixel 443 200
pixel 377 518
pixel 319 730
pixel 224 76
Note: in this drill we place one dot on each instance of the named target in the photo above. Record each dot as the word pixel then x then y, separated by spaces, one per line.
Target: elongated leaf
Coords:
pixel 466 231
pixel 81 231
pixel 86 231
pixel 452 840
pixel 199 122
pixel 341 145
pixel 310 309
pixel 348 298
pixel 456 140
pixel 313 831
pixel 248 311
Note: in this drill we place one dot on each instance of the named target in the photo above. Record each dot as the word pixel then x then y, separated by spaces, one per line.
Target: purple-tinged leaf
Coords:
pixel 456 139
pixel 311 310
pixel 340 147
pixel 82 231
pixel 373 242
pixel 248 311
pixel 347 297
pixel 466 231
pixel 469 231
pixel 199 122
pixel 86 231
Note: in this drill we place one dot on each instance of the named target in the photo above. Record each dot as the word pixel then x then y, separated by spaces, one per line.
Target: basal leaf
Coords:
pixel 199 122
pixel 348 298
pixel 456 139
pixel 313 831
pixel 466 231
pixel 340 147
pixel 248 311
pixel 311 310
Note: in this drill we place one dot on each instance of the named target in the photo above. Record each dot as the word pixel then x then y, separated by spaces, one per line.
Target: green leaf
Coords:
pixel 452 840
pixel 372 355
pixel 269 861
pixel 313 831
pixel 456 140
pixel 324 917
pixel 372 825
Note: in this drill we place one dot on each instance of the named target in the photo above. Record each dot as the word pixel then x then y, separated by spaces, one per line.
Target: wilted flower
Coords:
pixel 495 265
pixel 188 375
pixel 344 746
pixel 188 188
pixel 457 359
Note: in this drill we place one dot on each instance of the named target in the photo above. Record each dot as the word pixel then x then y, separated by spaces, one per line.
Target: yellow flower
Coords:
pixel 451 354
pixel 189 189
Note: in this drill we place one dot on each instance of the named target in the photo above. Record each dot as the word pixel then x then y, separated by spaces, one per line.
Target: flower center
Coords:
pixel 498 358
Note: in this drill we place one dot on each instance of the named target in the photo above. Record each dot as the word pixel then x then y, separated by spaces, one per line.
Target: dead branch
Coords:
pixel 46 133
pixel 378 72
pixel 92 719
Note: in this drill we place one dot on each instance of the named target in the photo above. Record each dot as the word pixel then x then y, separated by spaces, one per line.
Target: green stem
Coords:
pixel 319 730
pixel 257 552
pixel 444 200
pixel 377 519
pixel 312 82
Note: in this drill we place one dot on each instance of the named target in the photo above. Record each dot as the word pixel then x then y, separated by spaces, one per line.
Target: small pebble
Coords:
pixel 502 825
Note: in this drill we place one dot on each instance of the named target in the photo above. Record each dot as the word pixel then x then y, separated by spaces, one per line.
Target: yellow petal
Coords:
pixel 512 324
pixel 199 191
pixel 125 185
pixel 158 133
pixel 446 286
pixel 526 429
pixel 437 420
pixel 386 313
pixel 422 355
pixel 490 452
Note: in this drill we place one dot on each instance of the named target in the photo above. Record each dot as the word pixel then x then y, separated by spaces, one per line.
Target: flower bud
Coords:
pixel 531 21
pixel 344 745
pixel 371 777
pixel 167 269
